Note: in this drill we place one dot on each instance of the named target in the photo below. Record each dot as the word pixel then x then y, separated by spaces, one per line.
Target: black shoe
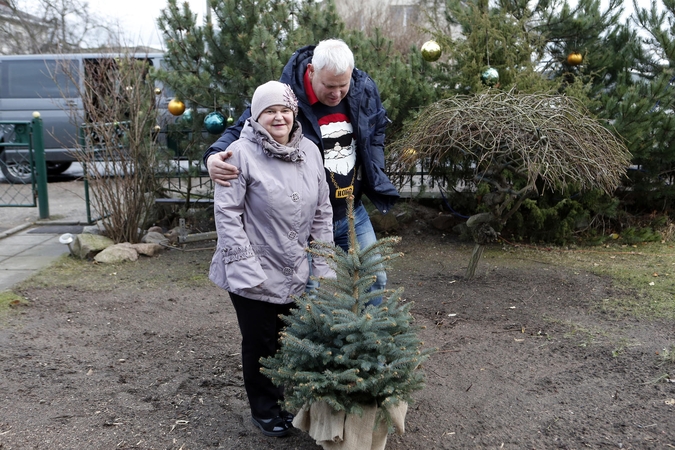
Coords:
pixel 275 427
pixel 288 417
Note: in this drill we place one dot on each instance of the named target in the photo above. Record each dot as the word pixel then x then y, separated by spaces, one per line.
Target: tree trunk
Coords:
pixel 473 262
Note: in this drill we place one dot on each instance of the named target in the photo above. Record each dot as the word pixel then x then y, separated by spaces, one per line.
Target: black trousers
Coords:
pixel 260 325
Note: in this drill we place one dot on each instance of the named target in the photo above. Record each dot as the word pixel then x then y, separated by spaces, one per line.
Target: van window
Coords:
pixel 38 79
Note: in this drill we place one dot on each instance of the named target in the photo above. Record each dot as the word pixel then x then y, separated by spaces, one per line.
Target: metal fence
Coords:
pixel 22 153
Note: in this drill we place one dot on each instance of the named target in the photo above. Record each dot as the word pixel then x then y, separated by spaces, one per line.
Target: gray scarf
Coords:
pixel 289 152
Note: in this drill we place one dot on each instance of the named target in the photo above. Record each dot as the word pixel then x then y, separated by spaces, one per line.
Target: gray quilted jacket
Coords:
pixel 266 218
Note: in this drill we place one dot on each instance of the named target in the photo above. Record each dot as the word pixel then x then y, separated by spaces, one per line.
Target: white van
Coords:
pixel 51 85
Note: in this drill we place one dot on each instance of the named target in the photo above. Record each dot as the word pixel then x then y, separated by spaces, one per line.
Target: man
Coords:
pixel 341 112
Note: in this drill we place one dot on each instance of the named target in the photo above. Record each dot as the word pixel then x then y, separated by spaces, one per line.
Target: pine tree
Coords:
pixel 338 349
pixel 504 38
pixel 591 31
pixel 217 66
pixel 404 80
pixel 624 78
pixel 640 107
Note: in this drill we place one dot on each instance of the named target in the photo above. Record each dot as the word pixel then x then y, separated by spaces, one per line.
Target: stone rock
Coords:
pixel 384 222
pixel 147 249
pixel 461 229
pixel 94 229
pixel 155 229
pixel 87 245
pixel 152 237
pixel 478 219
pixel 172 236
pixel 443 222
pixel 117 253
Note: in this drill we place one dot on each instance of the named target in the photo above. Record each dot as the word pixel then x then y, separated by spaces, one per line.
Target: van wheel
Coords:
pixel 17 173
pixel 57 168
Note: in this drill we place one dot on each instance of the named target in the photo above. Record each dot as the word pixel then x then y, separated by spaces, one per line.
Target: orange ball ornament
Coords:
pixel 574 59
pixel 176 107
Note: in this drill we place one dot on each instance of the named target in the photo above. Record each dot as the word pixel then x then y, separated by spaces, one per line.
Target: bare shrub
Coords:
pixel 117 142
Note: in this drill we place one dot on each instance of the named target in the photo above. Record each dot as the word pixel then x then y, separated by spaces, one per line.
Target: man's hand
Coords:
pixel 220 171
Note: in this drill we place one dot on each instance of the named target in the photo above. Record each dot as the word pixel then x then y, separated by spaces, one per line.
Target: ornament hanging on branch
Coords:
pixel 230 119
pixel 574 59
pixel 187 116
pixel 176 107
pixel 431 51
pixel 214 122
pixel 490 76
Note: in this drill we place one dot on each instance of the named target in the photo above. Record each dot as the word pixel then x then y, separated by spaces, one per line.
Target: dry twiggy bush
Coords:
pixel 519 144
pixel 539 137
pixel 117 144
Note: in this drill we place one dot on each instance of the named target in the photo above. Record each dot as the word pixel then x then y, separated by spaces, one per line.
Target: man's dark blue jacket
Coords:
pixel 366 114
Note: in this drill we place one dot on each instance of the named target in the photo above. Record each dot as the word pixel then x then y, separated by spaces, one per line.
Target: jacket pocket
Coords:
pixel 375 119
pixel 233 254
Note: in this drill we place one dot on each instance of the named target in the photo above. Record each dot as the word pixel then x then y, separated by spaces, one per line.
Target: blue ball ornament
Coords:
pixel 214 122
pixel 186 117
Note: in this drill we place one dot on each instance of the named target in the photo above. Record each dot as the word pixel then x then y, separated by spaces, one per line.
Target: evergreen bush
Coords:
pixel 338 348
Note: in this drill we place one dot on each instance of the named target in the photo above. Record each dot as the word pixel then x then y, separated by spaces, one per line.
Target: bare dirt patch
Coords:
pixel 145 355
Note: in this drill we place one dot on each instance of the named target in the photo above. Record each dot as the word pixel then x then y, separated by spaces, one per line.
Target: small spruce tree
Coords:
pixel 338 349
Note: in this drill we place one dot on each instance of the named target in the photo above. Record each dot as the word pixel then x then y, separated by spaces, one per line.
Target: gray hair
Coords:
pixel 333 54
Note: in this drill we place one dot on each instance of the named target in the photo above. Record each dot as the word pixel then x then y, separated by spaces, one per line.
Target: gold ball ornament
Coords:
pixel 431 51
pixel 158 91
pixel 574 59
pixel 176 107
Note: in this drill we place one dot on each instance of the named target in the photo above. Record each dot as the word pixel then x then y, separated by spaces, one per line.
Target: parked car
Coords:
pixel 50 85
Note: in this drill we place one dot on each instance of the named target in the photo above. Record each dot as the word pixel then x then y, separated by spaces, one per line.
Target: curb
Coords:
pixel 40 223
pixel 16 229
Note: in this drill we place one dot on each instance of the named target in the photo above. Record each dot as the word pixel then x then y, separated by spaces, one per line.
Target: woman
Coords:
pixel 278 203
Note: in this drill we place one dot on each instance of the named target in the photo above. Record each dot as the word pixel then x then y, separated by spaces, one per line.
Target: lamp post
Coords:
pixel 67 239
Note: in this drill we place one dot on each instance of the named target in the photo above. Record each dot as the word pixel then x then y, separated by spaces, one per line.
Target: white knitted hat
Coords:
pixel 272 93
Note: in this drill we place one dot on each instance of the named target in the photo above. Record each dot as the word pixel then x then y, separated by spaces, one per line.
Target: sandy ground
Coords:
pixel 145 355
